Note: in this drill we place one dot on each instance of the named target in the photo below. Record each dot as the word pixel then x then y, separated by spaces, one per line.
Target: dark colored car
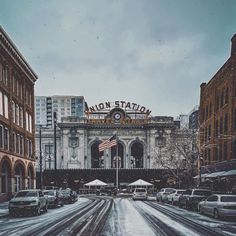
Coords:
pixel 191 197
pixel 69 196
pixel 54 197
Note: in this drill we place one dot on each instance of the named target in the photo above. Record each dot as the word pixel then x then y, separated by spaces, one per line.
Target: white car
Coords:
pixel 30 200
pixel 173 197
pixel 140 194
pixel 161 196
pixel 218 205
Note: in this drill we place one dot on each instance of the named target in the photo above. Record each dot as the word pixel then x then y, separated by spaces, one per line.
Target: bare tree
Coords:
pixel 178 153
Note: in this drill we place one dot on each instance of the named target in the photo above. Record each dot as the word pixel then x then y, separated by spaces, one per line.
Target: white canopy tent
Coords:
pixel 95 183
pixel 140 183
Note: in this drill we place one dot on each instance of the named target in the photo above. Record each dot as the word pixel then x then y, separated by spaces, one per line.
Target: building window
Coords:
pixel 17 114
pixel 21 117
pixel 210 109
pixel 222 99
pixel 226 96
pixel 5 106
pixel 217 102
pixel 234 124
pixel 5 74
pixel 13 112
pixel 30 148
pixel 209 155
pixel 234 149
pixel 226 123
pixel 17 143
pixel 216 128
pixel 225 151
pixel 1 136
pixel 13 142
pixel 1 103
pixel 21 145
pixel 234 88
pixel 221 125
pixel 6 139
pixel 220 152
pixel 209 132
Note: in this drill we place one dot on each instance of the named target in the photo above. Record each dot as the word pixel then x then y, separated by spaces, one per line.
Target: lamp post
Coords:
pixel 40 157
pixel 55 140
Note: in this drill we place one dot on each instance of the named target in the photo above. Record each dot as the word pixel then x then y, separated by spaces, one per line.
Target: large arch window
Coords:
pixel 96 156
pixel 5 177
pixel 120 156
pixel 19 178
pixel 137 155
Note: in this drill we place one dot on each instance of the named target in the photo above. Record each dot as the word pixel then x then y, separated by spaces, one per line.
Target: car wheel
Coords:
pixel 11 213
pixel 37 211
pixel 45 209
pixel 201 211
pixel 216 214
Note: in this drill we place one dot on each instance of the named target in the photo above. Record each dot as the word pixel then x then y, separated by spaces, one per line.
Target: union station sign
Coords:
pixel 118 112
pixel 118 104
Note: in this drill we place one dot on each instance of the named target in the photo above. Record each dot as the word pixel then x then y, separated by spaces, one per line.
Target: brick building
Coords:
pixel 218 113
pixel 17 163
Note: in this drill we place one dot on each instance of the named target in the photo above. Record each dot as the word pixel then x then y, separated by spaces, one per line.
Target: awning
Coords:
pixel 215 174
pixel 228 173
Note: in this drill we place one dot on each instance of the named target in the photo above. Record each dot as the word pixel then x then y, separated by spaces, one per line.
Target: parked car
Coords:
pixel 54 197
pixel 191 197
pixel 218 206
pixel 140 194
pixel 30 200
pixel 69 196
pixel 161 196
pixel 234 189
pixel 173 197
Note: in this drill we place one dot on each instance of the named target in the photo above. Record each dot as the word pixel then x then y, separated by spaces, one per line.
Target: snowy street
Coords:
pixel 116 216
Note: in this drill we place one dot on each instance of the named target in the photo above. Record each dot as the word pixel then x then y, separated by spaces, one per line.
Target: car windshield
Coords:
pixel 26 194
pixel 180 191
pixel 202 192
pixel 228 199
pixel 140 190
pixel 49 193
pixel 168 190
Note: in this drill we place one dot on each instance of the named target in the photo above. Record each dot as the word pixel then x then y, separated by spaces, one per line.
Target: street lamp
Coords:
pixel 55 140
pixel 40 157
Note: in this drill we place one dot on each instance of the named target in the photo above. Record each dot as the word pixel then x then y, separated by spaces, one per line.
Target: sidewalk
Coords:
pixel 3 209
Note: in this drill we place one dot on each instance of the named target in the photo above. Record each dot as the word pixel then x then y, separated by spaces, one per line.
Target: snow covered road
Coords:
pixel 107 216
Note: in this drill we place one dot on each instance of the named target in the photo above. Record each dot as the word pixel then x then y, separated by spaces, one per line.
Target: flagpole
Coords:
pixel 117 162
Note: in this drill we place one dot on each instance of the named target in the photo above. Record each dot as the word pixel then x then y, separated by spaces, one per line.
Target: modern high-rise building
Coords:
pixel 17 143
pixel 193 119
pixel 63 105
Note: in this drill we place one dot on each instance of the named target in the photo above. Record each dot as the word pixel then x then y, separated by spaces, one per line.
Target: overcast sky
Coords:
pixel 155 53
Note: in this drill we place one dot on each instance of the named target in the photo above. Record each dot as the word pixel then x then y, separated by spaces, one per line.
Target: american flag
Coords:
pixel 111 142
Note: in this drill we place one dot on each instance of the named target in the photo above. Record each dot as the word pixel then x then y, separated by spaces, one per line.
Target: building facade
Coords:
pixel 218 113
pixel 17 145
pixel 63 105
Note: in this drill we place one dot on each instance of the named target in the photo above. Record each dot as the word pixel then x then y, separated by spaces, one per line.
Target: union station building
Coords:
pixel 141 140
